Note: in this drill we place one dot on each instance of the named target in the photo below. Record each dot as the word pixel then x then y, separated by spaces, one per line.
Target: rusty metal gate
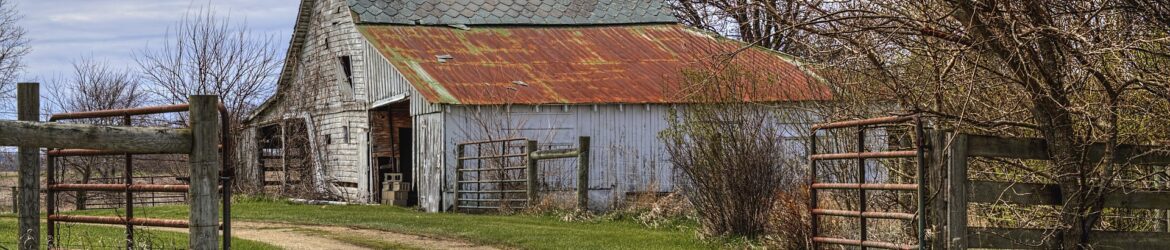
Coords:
pixel 493 174
pixel 128 185
pixel 862 214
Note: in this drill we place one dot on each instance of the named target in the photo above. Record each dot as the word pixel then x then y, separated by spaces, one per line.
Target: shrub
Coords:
pixel 730 152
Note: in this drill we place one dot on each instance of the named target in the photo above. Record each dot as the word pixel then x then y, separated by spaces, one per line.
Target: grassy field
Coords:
pixel 519 231
pixel 106 237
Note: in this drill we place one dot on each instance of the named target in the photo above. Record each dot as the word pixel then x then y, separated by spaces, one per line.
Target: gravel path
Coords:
pixel 297 237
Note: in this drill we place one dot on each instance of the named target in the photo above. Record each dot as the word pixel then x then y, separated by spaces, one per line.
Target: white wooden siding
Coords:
pixel 419 104
pixel 626 153
pixel 336 104
pixel 428 160
pixel 384 80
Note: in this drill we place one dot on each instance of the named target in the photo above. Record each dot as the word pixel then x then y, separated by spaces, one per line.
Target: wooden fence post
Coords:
pixel 957 193
pixel 204 172
pixel 459 151
pixel 583 173
pixel 936 188
pixel 28 100
pixel 533 182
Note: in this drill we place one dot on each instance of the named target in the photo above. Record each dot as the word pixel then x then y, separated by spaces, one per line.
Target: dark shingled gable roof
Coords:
pixel 515 12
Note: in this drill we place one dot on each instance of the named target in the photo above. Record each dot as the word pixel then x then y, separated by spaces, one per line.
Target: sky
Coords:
pixel 61 31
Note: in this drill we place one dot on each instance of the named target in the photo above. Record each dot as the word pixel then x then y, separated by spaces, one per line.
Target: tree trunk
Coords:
pixel 1082 201
pixel 82 197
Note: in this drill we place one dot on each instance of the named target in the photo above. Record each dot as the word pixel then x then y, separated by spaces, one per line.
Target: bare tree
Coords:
pixel 13 47
pixel 95 85
pixel 1072 72
pixel 205 53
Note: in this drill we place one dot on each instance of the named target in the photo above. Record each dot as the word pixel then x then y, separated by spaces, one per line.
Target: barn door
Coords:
pixel 491 175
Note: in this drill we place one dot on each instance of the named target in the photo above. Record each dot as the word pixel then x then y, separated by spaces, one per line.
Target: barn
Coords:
pixel 377 87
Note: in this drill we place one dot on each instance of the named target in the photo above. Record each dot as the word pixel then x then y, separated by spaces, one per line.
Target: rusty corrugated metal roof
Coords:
pixel 571 64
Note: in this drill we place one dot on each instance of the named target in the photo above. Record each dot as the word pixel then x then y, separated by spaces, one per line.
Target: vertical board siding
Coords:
pixel 419 105
pixel 428 161
pixel 626 155
pixel 384 80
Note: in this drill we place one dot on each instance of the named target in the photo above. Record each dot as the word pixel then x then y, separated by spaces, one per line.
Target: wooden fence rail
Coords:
pixel 961 191
pixel 83 136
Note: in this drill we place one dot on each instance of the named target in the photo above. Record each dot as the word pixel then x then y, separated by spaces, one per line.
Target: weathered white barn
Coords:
pixel 381 86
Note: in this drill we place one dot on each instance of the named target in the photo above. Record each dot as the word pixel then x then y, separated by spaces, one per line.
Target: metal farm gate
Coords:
pixel 820 182
pixel 493 174
pixel 129 185
pixel 503 174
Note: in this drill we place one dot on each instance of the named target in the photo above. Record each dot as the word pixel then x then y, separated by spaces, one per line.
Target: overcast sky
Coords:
pixel 60 31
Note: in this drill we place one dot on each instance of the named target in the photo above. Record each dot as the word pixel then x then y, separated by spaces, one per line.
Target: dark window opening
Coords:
pixel 347 68
pixel 345 129
pixel 345 184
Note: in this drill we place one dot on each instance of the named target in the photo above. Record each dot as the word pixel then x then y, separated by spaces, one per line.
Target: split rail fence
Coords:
pixel 201 142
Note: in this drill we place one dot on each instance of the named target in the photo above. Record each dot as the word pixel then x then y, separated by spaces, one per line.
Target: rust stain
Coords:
pixel 577 65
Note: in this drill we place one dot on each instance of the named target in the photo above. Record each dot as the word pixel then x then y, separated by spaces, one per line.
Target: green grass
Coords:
pixel 519 231
pixel 109 237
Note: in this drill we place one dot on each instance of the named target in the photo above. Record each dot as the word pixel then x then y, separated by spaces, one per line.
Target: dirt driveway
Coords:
pixel 296 237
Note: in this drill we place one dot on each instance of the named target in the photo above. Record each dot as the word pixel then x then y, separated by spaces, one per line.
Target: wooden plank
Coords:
pixel 204 172
pixel 1018 238
pixel 124 139
pixel 554 154
pixel 957 192
pixel 1049 194
pixel 1013 193
pixel 1036 149
pixel 1001 147
pixel 28 105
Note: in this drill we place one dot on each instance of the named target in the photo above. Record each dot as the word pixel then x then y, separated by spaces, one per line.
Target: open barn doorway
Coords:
pixel 390 149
